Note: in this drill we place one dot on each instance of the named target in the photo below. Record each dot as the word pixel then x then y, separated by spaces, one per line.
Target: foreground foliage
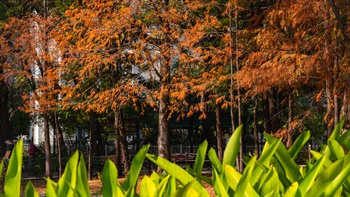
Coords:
pixel 274 173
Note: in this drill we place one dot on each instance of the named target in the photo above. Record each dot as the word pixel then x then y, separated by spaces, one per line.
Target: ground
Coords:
pixel 95 186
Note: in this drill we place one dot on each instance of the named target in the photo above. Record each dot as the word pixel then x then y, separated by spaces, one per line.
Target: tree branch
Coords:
pixel 340 22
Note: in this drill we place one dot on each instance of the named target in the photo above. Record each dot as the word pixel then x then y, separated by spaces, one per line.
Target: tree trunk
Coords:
pixel 266 113
pixel 4 116
pixel 59 147
pixel 329 107
pixel 256 136
pixel 218 131
pixel 290 119
pixel 93 144
pixel 163 125
pixel 48 170
pixel 122 139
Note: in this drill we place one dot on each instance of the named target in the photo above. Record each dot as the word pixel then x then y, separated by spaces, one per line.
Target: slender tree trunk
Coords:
pixel 329 107
pixel 58 135
pixel 48 166
pixel 218 131
pixel 266 113
pixel 163 125
pixel 335 94
pixel 117 152
pixel 92 139
pixel 122 139
pixel 290 119
pixel 4 116
pixel 256 136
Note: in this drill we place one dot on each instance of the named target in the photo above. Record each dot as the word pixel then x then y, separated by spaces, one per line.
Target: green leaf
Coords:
pixel 135 169
pixel 67 182
pixel 109 180
pixel 242 187
pixel 325 177
pixel 299 144
pixel 316 155
pixel 334 185
pixel 148 188
pixel 161 190
pixel 82 186
pixel 289 166
pixel 336 148
pixel 12 185
pixel 30 190
pixel 218 186
pixel 179 173
pixel 232 148
pixel 337 130
pixel 51 188
pixel 200 157
pixel 214 160
pixel 183 191
pixel 292 190
pixel 310 177
pixel 233 177
pixel 269 183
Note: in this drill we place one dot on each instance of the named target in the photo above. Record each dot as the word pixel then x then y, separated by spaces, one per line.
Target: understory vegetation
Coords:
pixel 273 173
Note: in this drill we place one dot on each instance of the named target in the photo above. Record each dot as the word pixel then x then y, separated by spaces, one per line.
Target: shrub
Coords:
pixel 274 173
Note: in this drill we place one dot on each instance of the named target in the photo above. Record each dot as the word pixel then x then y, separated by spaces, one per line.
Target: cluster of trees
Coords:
pixel 277 66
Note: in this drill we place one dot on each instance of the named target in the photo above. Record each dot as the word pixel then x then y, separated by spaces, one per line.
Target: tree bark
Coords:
pixel 329 107
pixel 256 136
pixel 290 119
pixel 163 125
pixel 4 116
pixel 266 113
pixel 48 166
pixel 92 139
pixel 218 131
pixel 59 146
pixel 122 139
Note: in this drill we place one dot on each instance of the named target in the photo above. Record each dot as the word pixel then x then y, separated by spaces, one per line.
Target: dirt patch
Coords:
pixel 94 185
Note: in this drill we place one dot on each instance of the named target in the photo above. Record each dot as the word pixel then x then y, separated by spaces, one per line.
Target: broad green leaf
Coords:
pixel 155 178
pixel 200 157
pixel 12 185
pixel 183 191
pixel 162 187
pixel 51 188
pixel 233 177
pixel 299 144
pixel 346 143
pixel 242 187
pixel 269 183
pixel 316 155
pixel 135 169
pixel 289 166
pixel 147 188
pixel 232 148
pixel 268 151
pixel 336 183
pixel 180 174
pixel 109 179
pixel 66 184
pixel 264 160
pixel 343 137
pixel 214 160
pixel 82 185
pixel 337 130
pixel 30 190
pixel 336 148
pixel 292 190
pixel 218 186
pixel 325 177
pixel 310 177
